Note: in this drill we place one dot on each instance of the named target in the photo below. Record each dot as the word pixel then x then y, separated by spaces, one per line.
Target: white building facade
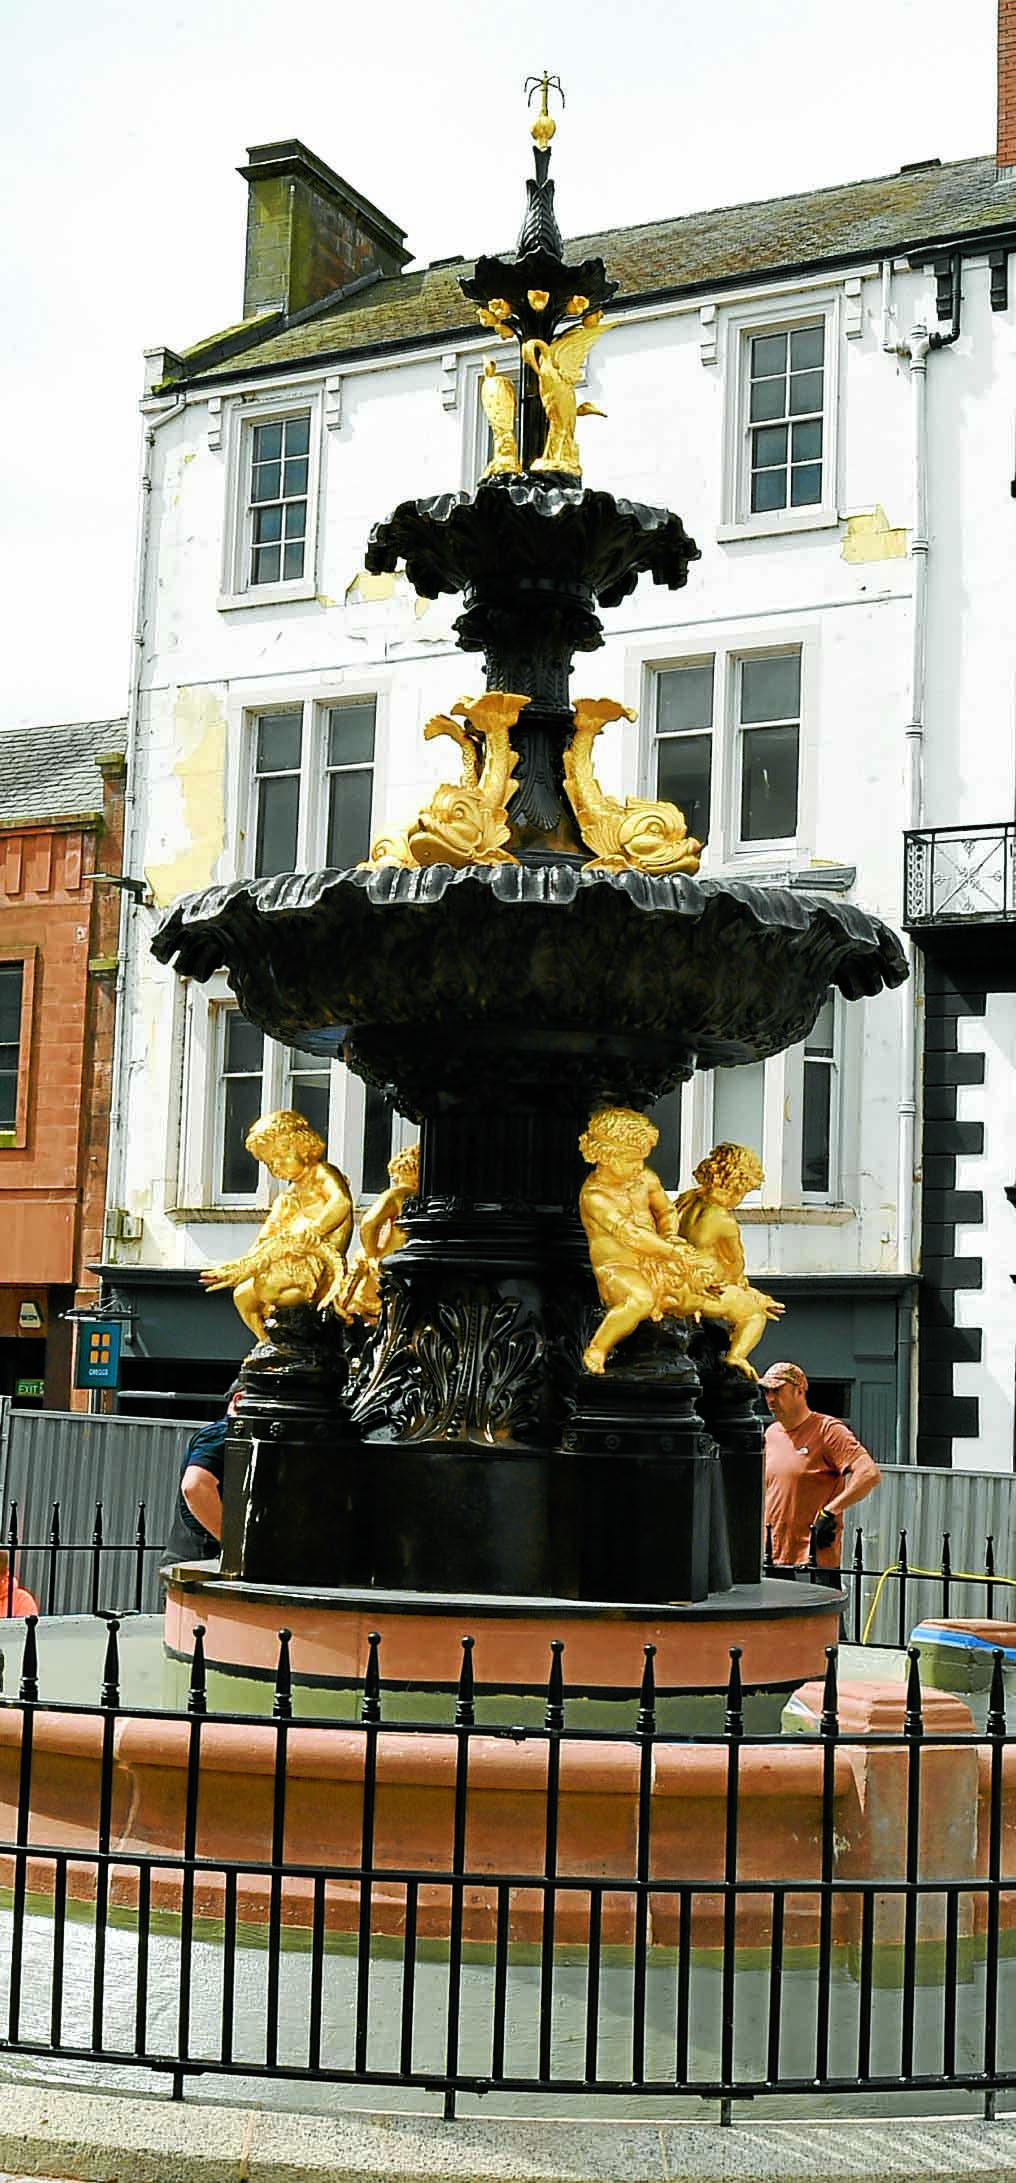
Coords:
pixel 823 389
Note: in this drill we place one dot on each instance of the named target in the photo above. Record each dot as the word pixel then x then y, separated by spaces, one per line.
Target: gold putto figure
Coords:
pixel 643 1270
pixel 630 836
pixel 653 1259
pixel 705 1218
pixel 299 1253
pixel 380 1234
pixel 498 397
pixel 558 367
pixel 465 823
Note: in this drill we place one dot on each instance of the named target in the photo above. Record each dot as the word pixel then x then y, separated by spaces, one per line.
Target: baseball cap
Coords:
pixel 780 1375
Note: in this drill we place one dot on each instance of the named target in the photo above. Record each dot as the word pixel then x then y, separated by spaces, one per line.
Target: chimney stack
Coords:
pixel 1005 155
pixel 308 233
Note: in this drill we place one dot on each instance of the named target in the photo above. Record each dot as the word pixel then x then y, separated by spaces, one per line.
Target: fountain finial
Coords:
pixel 544 127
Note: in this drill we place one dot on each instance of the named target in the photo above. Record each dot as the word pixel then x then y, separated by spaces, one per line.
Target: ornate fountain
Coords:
pixel 519 960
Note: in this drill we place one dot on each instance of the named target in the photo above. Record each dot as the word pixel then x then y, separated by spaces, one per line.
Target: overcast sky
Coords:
pixel 123 123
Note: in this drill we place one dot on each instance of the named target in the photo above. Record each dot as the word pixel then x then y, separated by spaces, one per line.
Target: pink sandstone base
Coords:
pixel 782 1628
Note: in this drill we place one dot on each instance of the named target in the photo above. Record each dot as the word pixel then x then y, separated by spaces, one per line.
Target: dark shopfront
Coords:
pixel 853 1336
pixel 181 1345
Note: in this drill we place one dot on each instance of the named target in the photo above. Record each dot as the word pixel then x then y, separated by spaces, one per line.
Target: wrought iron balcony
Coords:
pixel 957 874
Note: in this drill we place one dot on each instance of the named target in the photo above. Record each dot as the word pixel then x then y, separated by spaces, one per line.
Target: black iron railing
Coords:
pixel 736 1977
pixel 884 1603
pixel 50 1568
pixel 952 873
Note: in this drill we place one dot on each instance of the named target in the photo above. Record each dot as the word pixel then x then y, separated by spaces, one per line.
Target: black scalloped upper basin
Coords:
pixel 526 530
pixel 726 970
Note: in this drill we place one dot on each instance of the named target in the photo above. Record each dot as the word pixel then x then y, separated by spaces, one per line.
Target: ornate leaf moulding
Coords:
pixel 468 541
pixel 730 971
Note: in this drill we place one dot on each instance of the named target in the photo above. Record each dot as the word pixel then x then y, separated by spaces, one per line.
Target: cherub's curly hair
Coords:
pixel 727 1164
pixel 405 1167
pixel 617 1129
pixel 285 1126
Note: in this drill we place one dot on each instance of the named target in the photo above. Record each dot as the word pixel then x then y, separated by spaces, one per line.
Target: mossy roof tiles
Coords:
pixel 888 215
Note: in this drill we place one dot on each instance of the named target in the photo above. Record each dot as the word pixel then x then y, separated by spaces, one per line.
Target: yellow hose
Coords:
pixel 956 1576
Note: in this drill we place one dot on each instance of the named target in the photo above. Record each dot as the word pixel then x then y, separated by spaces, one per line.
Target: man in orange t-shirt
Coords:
pixel 814 1470
pixel 14 1600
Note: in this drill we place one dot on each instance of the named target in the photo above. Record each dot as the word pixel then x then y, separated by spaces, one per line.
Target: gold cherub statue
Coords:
pixel 299 1253
pixel 705 1219
pixel 498 397
pixel 558 365
pixel 380 1234
pixel 465 822
pixel 643 1269
pixel 630 836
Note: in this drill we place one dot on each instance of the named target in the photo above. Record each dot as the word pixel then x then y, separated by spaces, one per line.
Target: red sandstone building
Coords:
pixel 61 823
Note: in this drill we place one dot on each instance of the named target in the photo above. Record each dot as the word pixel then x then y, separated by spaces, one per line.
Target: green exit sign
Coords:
pixel 29 1387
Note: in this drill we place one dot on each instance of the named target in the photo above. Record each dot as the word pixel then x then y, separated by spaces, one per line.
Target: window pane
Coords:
pixel 771 688
pixel 265 481
pixel 738 1096
pixel 683 771
pixel 768 490
pixel 310 1094
pixel 267 526
pixel 805 392
pixel 768 399
pixel 295 479
pixel 665 1157
pixel 242 1107
pixel 378 1116
pixel 769 784
pixel 278 811
pixel 351 735
pixel 267 442
pixel 280 736
pixel 292 560
pixel 8 1099
pixel 815 1132
pixel 806 347
pixel 806 485
pixel 298 433
pixel 806 441
pixel 349 809
pixel 267 562
pixel 296 516
pixel 768 355
pixel 244 1045
pixel 11 975
pixel 770 446
pixel 685 698
pixel 820 1037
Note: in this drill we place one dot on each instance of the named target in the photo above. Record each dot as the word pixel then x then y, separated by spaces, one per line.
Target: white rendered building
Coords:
pixel 822 387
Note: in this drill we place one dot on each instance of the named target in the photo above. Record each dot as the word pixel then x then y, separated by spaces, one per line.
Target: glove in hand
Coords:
pixel 824 1528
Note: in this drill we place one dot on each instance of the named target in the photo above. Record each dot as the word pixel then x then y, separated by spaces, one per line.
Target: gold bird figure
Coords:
pixel 558 367
pixel 498 397
pixel 630 836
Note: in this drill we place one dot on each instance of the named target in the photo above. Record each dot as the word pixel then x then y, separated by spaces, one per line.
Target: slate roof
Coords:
pixel 929 206
pixel 51 773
